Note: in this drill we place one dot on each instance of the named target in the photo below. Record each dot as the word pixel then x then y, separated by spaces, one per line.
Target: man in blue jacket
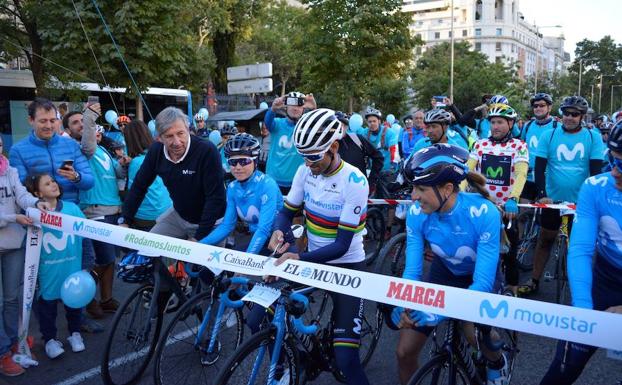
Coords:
pixel 44 151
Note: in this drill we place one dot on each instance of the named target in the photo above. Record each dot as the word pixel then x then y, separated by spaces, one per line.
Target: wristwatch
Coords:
pixel 78 177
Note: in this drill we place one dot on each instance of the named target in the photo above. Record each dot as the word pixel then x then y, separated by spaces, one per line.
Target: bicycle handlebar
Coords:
pixel 297 321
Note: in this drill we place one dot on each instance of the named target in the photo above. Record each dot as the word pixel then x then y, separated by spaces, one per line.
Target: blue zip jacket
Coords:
pixel 283 159
pixel 32 155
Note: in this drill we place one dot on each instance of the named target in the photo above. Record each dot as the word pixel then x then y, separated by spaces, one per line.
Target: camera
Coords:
pixel 289 101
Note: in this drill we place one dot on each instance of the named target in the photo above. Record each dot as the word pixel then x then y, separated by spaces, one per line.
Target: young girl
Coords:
pixel 13 198
pixel 61 255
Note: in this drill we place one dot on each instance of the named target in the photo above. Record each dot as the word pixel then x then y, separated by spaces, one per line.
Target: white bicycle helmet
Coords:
pixel 371 111
pixel 316 130
pixel 437 115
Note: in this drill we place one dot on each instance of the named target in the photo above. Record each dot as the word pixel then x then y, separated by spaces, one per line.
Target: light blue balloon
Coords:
pixel 231 123
pixel 78 289
pixel 111 117
pixel 263 105
pixel 215 137
pixel 356 122
pixel 391 119
pixel 204 112
pixel 152 128
pixel 396 127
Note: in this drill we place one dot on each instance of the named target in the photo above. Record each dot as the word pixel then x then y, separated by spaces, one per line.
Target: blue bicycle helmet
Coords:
pixel 243 144
pixel 541 96
pixel 577 102
pixel 436 165
pixel 228 129
pixel 496 99
pixel 135 268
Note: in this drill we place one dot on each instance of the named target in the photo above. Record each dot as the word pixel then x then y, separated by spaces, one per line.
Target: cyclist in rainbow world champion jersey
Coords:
pixel 541 105
pixel 598 285
pixel 334 194
pixel 565 157
pixel 463 231
pixel 253 197
pixel 504 162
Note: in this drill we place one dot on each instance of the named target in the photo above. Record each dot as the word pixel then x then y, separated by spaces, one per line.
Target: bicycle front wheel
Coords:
pixel 374 239
pixel 250 364
pixel 185 354
pixel 527 242
pixel 563 289
pixel 132 339
pixel 437 372
pixel 392 258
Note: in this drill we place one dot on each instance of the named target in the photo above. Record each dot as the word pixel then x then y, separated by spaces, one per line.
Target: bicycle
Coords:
pixel 196 341
pixel 529 230
pixel 289 351
pixel 392 259
pixel 136 326
pixel 455 362
pixel 560 251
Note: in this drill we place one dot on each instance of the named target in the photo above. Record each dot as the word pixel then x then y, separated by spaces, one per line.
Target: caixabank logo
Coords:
pixel 232 259
pixel 555 320
pixel 322 275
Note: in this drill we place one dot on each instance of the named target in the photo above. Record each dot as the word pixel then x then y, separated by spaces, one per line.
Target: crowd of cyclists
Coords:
pixel 468 173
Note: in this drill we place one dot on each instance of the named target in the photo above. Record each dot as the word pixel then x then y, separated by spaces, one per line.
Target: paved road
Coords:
pixel 533 360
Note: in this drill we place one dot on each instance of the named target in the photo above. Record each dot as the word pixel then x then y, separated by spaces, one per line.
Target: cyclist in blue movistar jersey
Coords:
pixel 333 195
pixel 437 123
pixel 542 120
pixel 383 138
pixel 252 197
pixel 593 285
pixel 565 157
pixel 283 160
pixel 463 231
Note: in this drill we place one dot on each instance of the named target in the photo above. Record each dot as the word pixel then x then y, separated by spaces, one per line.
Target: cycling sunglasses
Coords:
pixel 615 162
pixel 574 114
pixel 540 105
pixel 240 161
pixel 314 158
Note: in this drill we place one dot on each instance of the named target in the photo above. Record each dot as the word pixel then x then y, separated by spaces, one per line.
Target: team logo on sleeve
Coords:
pixel 357 179
pixel 594 181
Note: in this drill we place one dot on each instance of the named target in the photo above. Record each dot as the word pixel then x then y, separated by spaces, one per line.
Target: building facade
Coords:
pixel 494 27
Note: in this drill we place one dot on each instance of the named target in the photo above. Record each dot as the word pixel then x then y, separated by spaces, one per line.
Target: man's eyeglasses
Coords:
pixel 615 162
pixel 539 105
pixel 313 158
pixel 571 113
pixel 240 161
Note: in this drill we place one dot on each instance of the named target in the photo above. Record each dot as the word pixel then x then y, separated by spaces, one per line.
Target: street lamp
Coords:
pixel 600 91
pixel 538 52
pixel 611 102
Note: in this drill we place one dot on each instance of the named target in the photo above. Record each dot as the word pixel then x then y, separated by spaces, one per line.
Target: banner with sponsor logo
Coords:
pixel 541 318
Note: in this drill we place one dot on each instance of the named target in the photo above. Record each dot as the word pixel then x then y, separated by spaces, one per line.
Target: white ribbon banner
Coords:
pixel 541 318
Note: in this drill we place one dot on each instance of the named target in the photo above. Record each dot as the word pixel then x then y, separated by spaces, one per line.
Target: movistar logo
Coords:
pixel 356 179
pixel 601 180
pixel 493 312
pixel 477 212
pixel 285 142
pixel 77 226
pixel 570 154
pixel 493 173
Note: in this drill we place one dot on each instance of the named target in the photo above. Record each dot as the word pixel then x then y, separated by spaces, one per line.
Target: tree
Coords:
pixel 278 39
pixel 474 76
pixel 353 46
pixel 155 39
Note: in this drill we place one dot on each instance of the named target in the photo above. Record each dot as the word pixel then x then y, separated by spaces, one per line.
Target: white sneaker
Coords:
pixel 76 342
pixel 54 348
pixel 498 377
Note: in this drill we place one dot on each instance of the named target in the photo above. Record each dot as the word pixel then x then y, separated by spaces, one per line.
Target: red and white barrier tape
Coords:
pixel 559 206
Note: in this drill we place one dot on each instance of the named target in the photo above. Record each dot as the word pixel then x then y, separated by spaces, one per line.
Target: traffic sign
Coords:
pixel 252 71
pixel 250 86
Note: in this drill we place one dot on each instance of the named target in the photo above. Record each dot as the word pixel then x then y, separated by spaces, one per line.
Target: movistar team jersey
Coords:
pixel 466 239
pixel 389 150
pixel 426 142
pixel 283 159
pixel 255 201
pixel 568 156
pixel 531 134
pixel 455 134
pixel 331 202
pixel 157 200
pixel 597 225
pixel 483 126
pixel 223 160
pixel 496 162
pixel 105 191
pixel 61 254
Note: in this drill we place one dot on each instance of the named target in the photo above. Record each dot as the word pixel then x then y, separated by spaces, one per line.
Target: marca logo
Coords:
pixel 475 212
pixel 357 179
pixel 321 275
pixel 493 312
pixel 493 173
pixel 594 181
pixel 416 294
pixel 533 142
pixel 568 154
pixel 51 219
pixel 557 321
pixel 285 142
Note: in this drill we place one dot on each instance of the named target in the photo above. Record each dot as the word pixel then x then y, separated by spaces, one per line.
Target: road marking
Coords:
pixel 83 376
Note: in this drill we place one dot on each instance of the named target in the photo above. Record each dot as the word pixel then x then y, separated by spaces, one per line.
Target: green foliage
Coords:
pixel 474 76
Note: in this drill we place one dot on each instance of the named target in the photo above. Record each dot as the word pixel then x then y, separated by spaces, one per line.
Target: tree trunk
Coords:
pixel 34 59
pixel 224 50
pixel 350 104
pixel 283 85
pixel 139 108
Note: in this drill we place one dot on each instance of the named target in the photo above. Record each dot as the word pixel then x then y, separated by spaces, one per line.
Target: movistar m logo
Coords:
pixel 570 154
pixel 493 173
pixel 356 179
pixel 477 212
pixel 493 312
pixel 77 226
pixel 594 181
pixel 285 142
pixel 533 142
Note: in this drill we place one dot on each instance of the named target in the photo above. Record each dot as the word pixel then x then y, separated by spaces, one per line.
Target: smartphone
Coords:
pixel 93 100
pixel 440 101
pixel 66 164
pixel 289 101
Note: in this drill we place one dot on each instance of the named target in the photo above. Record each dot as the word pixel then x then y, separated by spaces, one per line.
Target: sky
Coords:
pixel 580 19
